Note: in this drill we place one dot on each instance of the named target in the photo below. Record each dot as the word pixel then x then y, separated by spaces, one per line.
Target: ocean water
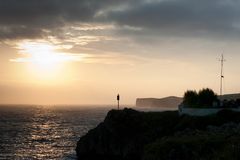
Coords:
pixel 45 132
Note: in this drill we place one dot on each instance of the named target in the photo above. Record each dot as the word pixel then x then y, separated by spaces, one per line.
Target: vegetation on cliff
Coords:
pixel 204 98
pixel 131 135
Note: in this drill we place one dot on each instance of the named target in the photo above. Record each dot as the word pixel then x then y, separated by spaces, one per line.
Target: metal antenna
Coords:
pixel 222 60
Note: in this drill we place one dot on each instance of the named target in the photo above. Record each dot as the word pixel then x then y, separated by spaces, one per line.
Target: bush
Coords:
pixel 204 98
pixel 190 98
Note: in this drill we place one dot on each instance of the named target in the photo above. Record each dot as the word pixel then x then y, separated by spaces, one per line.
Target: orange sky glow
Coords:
pixel 146 49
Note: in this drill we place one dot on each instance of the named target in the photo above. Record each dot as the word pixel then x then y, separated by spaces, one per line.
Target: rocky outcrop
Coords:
pixel 131 135
pixel 123 135
pixel 167 102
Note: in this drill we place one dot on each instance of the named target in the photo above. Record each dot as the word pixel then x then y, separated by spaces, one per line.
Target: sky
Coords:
pixel 88 51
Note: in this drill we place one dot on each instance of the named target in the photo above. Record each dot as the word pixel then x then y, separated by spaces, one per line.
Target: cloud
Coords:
pixel 46 54
pixel 182 17
pixel 122 27
pixel 32 18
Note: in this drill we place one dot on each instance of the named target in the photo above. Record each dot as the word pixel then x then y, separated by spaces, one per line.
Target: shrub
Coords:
pixel 204 98
pixel 190 98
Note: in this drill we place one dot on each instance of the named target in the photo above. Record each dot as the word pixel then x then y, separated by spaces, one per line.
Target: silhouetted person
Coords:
pixel 118 99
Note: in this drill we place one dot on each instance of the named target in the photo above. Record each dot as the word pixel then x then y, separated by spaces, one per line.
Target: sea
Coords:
pixel 47 132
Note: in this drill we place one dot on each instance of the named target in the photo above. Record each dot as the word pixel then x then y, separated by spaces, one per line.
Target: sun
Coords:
pixel 47 62
pixel 41 54
pixel 44 60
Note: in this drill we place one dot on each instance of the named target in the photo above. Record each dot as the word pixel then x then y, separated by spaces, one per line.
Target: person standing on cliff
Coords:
pixel 118 99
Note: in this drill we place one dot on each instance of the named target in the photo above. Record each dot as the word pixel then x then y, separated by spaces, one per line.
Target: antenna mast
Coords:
pixel 222 76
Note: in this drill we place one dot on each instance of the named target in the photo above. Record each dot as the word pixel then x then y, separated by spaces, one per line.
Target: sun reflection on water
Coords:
pixel 44 133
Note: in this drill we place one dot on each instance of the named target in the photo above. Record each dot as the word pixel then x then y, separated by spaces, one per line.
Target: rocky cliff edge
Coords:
pixel 131 135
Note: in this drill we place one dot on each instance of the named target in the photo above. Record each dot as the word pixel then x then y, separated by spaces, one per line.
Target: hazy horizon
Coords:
pixel 87 51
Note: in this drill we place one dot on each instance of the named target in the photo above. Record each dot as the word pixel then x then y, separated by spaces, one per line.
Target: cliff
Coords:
pixel 167 102
pixel 131 135
pixel 230 96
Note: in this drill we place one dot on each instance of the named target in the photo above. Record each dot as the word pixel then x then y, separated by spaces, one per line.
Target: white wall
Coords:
pixel 202 111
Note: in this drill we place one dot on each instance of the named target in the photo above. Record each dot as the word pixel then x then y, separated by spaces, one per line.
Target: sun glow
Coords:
pixel 43 55
pixel 46 61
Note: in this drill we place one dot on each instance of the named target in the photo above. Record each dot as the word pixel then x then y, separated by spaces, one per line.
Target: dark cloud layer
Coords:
pixel 31 18
pixel 183 17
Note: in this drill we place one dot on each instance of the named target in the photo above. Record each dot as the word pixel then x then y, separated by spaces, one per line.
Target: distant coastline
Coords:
pixel 166 102
pixel 174 101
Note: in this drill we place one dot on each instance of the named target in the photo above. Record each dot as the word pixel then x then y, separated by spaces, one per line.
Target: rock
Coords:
pixel 122 135
pixel 131 135
pixel 115 138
